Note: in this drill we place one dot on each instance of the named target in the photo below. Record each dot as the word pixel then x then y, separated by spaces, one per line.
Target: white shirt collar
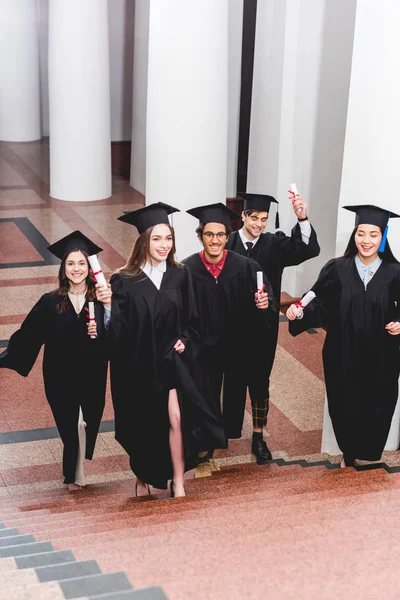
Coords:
pixel 245 240
pixel 148 268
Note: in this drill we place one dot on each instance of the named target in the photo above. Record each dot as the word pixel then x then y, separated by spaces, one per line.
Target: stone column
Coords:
pixel 187 109
pixel 79 100
pixel 19 71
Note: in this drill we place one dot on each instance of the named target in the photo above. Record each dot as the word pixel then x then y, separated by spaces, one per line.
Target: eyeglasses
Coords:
pixel 210 236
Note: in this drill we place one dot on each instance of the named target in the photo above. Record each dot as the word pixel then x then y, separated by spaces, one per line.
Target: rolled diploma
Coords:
pixel 260 282
pixel 91 316
pixel 294 189
pixel 304 301
pixel 97 271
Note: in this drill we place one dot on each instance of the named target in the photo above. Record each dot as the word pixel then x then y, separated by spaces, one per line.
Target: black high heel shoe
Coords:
pixel 348 460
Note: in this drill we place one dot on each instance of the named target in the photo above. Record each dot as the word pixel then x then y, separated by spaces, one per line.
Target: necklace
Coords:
pixel 77 293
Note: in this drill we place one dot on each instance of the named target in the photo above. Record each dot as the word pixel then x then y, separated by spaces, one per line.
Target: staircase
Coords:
pixel 281 531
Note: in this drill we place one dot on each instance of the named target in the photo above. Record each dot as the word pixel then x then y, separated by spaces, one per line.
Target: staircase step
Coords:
pixel 7 532
pixel 22 549
pixel 44 559
pixel 151 593
pixel 94 585
pixel 16 540
pixel 68 570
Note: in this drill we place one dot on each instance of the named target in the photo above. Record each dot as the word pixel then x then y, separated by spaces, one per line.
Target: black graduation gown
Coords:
pixel 74 370
pixel 232 329
pixel 273 252
pixel 361 360
pixel 145 325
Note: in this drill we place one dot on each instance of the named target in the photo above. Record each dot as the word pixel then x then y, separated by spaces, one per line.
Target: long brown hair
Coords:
pixel 141 251
pixel 63 304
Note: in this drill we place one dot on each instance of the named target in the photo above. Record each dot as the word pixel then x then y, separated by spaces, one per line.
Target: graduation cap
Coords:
pixel 214 213
pixel 153 214
pixel 74 241
pixel 368 214
pixel 261 203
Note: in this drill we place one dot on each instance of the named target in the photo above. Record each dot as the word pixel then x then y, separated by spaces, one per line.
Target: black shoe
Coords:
pixel 260 450
pixel 171 489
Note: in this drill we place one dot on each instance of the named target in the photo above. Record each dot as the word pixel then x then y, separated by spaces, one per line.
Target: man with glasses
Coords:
pixel 231 311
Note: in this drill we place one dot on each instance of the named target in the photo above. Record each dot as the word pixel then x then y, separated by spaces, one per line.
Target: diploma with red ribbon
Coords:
pixel 304 301
pixel 294 191
pixel 91 316
pixel 97 270
pixel 260 282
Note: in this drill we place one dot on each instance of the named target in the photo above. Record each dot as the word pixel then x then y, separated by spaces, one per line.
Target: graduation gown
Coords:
pixel 74 369
pixel 232 329
pixel 145 325
pixel 273 252
pixel 361 360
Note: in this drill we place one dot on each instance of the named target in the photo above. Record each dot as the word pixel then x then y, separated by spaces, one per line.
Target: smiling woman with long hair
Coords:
pixel 358 300
pixel 75 360
pixel 162 419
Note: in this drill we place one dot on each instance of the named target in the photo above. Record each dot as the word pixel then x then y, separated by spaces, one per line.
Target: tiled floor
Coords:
pixel 30 451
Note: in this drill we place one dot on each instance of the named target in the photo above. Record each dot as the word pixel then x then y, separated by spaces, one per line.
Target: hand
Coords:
pixel 293 312
pixel 261 300
pixel 103 294
pixel 298 203
pixel 179 347
pixel 92 328
pixel 393 328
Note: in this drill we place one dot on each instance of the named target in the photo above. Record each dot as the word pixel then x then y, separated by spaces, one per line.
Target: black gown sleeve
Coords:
pixel 190 317
pixel 24 345
pixel 273 307
pixel 118 326
pixel 292 250
pixel 318 312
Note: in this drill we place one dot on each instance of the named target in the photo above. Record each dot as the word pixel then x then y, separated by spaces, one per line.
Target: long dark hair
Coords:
pixel 63 304
pixel 141 251
pixel 351 249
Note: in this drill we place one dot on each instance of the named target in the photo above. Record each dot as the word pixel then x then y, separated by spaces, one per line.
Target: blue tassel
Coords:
pixel 383 242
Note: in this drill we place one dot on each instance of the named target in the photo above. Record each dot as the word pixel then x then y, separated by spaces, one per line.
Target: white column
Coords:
pixel 187 108
pixel 300 95
pixel 139 101
pixel 19 71
pixel 79 100
pixel 371 173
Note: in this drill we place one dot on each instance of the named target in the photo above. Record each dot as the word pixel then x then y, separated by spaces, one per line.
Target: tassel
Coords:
pixel 383 242
pixel 277 224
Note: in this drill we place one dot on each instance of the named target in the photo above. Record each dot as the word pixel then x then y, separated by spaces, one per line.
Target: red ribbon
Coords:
pixel 299 304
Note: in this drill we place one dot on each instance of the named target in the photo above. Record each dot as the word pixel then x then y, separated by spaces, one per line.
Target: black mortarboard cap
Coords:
pixel 261 202
pixel 153 214
pixel 74 241
pixel 368 214
pixel 214 213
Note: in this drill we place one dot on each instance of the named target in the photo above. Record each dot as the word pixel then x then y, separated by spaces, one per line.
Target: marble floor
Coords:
pixel 30 449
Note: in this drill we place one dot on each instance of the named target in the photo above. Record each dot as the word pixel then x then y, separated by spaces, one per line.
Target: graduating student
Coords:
pixel 273 252
pixel 230 312
pixel 75 359
pixel 358 300
pixel 162 418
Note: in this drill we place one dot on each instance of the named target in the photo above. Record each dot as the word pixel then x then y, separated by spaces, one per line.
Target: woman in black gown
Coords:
pixel 358 300
pixel 74 363
pixel 162 418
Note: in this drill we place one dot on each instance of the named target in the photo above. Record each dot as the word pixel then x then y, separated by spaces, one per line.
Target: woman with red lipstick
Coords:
pixel 358 300
pixel 161 417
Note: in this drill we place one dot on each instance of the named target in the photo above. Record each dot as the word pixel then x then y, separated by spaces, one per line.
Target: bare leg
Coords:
pixel 142 489
pixel 176 444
